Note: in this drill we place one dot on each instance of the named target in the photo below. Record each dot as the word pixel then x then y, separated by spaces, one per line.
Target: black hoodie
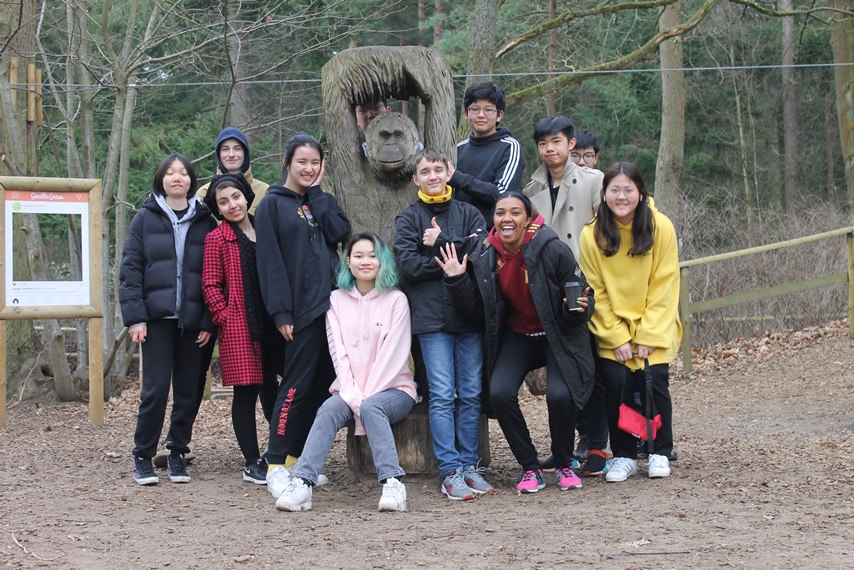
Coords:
pixel 298 237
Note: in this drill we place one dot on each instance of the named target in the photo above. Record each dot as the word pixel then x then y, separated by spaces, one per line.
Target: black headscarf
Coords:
pixel 223 181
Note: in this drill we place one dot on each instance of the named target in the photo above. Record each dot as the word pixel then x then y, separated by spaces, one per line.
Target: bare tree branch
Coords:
pixel 644 53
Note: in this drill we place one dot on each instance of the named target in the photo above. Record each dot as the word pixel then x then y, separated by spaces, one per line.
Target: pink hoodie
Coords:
pixel 369 340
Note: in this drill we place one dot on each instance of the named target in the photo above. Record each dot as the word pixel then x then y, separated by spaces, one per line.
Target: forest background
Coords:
pixel 738 113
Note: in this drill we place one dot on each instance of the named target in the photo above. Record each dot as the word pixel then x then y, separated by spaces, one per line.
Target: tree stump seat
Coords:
pixel 414 442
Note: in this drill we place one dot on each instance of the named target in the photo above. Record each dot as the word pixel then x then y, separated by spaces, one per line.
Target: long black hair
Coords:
pixel 296 141
pixel 605 227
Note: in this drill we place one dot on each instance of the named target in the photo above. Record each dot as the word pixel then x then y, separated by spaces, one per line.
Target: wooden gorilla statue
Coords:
pixel 371 189
pixel 392 141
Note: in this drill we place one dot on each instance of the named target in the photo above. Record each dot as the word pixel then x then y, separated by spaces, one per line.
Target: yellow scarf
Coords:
pixel 426 198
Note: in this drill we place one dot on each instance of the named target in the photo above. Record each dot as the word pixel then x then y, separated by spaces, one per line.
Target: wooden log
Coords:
pixel 414 442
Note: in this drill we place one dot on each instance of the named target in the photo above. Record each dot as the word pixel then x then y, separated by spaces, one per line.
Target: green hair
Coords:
pixel 387 275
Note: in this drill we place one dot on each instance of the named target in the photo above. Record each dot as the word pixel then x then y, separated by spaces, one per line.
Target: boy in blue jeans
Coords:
pixel 452 348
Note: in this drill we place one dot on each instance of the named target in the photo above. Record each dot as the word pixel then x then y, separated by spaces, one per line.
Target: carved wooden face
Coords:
pixel 392 142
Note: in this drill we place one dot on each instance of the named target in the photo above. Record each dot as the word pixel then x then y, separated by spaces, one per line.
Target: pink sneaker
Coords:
pixel 531 482
pixel 567 479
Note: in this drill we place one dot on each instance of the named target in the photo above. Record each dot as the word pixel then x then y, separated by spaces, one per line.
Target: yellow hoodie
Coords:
pixel 637 297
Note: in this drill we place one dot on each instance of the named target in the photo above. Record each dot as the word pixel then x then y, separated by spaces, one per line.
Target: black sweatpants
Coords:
pixel 517 355
pixel 308 372
pixel 170 355
pixel 620 386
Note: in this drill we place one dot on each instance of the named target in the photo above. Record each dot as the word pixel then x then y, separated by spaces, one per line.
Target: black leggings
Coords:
pixel 243 414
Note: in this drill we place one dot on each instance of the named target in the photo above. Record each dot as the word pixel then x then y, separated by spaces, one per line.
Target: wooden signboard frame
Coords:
pixel 93 311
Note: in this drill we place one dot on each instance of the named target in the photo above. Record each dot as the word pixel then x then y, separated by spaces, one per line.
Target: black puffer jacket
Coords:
pixel 148 278
pixel 550 264
pixel 430 305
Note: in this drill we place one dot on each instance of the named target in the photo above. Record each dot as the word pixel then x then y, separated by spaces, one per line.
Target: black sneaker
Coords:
pixel 596 464
pixel 642 449
pixel 256 471
pixel 143 472
pixel 548 464
pixel 582 450
pixel 643 452
pixel 176 467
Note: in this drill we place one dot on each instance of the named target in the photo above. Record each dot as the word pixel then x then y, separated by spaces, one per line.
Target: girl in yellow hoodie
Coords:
pixel 630 257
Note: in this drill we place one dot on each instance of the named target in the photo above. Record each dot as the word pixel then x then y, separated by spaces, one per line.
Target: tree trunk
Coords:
pixel 551 110
pixel 17 24
pixel 438 29
pixel 671 149
pixel 482 40
pixel 829 178
pixel 742 155
pixel 791 182
pixel 238 110
pixel 842 41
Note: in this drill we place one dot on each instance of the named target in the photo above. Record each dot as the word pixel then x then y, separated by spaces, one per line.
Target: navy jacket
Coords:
pixel 297 255
pixel 148 277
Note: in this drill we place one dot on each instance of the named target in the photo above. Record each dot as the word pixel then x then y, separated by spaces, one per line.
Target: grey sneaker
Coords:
pixel 455 488
pixel 394 496
pixel 473 476
pixel 296 496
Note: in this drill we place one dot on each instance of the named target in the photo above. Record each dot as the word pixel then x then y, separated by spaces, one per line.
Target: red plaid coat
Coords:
pixel 222 285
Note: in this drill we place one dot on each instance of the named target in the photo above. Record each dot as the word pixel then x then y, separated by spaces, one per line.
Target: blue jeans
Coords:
pixel 378 413
pixel 454 362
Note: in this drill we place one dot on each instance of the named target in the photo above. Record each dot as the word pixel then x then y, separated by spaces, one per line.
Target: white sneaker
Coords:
pixel 277 480
pixel 659 466
pixel 621 469
pixel 394 496
pixel 296 497
pixel 321 480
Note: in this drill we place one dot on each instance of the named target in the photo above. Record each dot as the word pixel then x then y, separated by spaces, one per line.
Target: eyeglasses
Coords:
pixel 587 156
pixel 487 111
pixel 626 192
pixel 372 110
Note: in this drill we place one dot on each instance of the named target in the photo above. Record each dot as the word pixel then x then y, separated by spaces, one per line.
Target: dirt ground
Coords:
pixel 765 479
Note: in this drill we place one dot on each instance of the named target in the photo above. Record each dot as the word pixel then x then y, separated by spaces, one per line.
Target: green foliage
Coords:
pixel 181 102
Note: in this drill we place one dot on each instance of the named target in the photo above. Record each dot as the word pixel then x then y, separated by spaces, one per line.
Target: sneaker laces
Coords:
pixel 177 463
pixel 564 472
pixel 457 478
pixel 529 475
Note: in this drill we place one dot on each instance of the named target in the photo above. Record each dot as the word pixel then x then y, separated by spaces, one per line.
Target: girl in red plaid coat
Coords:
pixel 231 289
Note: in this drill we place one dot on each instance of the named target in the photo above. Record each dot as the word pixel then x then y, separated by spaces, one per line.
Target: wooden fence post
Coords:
pixel 850 239
pixel 685 316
